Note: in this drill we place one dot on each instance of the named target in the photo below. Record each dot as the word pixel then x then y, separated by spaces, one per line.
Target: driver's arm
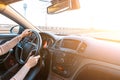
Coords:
pixel 32 61
pixel 4 48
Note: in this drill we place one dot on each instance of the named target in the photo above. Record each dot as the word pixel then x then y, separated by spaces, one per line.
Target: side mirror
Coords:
pixel 62 5
pixel 16 29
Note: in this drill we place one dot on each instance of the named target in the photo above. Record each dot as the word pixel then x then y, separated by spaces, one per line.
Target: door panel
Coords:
pixel 6 37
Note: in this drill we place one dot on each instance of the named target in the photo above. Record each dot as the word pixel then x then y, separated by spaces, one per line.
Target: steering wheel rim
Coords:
pixel 19 51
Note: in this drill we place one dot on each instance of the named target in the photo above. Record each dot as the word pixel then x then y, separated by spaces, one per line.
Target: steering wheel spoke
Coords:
pixel 34 40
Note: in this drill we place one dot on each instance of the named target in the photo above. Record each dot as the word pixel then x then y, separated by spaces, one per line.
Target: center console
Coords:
pixel 64 63
pixel 65 57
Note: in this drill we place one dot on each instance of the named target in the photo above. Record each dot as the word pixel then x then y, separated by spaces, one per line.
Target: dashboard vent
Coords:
pixel 82 47
pixel 57 45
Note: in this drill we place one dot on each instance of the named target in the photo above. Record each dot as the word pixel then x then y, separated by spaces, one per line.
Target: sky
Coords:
pixel 92 14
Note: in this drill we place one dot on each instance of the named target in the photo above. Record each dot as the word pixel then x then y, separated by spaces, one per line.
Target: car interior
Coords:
pixel 63 57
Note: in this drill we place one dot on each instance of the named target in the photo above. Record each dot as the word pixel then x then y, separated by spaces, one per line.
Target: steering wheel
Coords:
pixel 28 46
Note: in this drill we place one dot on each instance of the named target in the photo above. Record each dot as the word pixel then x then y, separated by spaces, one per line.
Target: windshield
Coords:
pixel 93 15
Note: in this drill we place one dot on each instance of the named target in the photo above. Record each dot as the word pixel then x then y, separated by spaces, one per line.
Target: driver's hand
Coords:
pixel 25 33
pixel 32 61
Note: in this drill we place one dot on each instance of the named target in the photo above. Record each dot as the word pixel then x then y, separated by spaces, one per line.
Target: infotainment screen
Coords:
pixel 70 43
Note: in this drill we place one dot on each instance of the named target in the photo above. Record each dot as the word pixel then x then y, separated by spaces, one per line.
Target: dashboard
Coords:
pixel 68 57
pixel 70 44
pixel 65 55
pixel 70 54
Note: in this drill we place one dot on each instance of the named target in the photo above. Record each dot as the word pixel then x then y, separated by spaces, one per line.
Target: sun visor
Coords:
pixel 7 2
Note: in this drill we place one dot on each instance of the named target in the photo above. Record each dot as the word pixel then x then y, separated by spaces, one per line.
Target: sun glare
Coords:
pixel 100 14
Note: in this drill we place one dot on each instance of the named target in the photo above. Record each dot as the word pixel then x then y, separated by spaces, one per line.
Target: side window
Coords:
pixel 6 24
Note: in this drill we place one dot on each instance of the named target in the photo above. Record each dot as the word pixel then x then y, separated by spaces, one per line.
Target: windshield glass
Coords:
pixel 93 16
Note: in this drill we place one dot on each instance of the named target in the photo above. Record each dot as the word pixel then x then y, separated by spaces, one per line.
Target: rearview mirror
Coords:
pixel 62 5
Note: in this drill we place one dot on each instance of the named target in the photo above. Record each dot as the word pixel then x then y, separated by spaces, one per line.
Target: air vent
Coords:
pixel 57 45
pixel 82 47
